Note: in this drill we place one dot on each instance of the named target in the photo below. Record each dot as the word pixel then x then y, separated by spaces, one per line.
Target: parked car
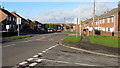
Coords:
pixel 50 30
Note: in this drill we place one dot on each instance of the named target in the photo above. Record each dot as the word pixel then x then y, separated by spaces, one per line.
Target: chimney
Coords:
pixel 14 11
pixel 2 7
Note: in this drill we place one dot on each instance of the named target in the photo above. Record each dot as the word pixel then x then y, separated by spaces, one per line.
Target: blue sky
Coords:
pixel 55 11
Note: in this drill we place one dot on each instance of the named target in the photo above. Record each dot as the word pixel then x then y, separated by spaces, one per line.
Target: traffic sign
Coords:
pixel 18 20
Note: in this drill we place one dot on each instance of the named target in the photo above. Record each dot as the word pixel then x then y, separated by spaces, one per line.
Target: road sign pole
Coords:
pixel 18 30
pixel 18 22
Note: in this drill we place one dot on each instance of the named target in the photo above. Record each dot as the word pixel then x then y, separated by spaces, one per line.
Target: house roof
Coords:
pixel 36 22
pixel 109 13
pixel 105 15
pixel 4 13
pixel 88 20
pixel 16 15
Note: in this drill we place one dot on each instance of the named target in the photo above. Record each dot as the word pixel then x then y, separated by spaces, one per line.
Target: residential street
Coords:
pixel 52 53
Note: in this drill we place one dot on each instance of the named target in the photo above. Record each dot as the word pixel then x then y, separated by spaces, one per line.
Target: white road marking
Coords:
pixel 49 48
pixel 9 45
pixel 35 56
pixel 40 53
pixel 43 51
pixel 30 59
pixel 33 64
pixel 26 38
pixel 69 62
pixel 28 41
pixel 39 60
pixel 84 64
pixel 22 63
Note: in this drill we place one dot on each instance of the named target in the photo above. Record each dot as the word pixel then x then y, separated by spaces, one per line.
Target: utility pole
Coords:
pixel 77 28
pixel 65 23
pixel 93 19
pixel 80 28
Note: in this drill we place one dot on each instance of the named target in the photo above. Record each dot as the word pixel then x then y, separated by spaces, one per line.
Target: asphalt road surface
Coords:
pixel 52 53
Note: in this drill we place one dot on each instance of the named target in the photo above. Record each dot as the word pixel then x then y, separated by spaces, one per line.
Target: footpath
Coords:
pixel 85 44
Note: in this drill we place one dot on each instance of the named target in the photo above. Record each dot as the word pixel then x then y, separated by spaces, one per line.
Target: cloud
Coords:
pixel 82 11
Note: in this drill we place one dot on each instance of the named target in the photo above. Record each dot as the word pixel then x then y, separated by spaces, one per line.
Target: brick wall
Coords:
pixel 105 33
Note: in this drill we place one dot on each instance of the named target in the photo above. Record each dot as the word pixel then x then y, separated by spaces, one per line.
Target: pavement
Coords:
pixel 44 51
pixel 85 44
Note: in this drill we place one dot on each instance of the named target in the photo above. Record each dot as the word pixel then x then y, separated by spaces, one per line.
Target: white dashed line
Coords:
pixel 28 41
pixel 43 51
pixel 36 57
pixel 49 48
pixel 23 63
pixel 40 53
pixel 9 45
pixel 30 59
pixel 33 64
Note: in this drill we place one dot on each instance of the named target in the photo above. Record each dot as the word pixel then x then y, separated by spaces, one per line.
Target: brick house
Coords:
pixel 37 25
pixel 23 21
pixel 107 22
pixel 31 24
pixel 7 19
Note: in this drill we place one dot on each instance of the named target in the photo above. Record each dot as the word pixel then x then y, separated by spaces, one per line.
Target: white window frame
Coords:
pixel 96 23
pixel 99 21
pixel 112 19
pixel 10 18
pixel 103 20
pixel 108 20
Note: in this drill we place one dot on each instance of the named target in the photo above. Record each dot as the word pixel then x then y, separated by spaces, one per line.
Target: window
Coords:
pixel 100 22
pixel 10 18
pixel 108 20
pixel 7 17
pixel 108 29
pixel 96 23
pixel 112 19
pixel 103 20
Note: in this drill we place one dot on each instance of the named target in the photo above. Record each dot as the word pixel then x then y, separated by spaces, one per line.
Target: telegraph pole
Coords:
pixel 77 28
pixel 80 28
pixel 93 19
pixel 65 23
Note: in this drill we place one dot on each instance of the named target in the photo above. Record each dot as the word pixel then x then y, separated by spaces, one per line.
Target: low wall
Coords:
pixel 106 33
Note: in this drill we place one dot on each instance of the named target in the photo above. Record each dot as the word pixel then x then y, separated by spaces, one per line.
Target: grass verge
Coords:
pixel 15 37
pixel 72 39
pixel 105 40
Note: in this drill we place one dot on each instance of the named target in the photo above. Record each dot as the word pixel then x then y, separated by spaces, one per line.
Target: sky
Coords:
pixel 54 12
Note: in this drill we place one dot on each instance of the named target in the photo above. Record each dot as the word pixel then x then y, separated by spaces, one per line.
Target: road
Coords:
pixel 52 53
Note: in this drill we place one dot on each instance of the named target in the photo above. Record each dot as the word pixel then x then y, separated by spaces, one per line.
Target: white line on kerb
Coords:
pixel 9 45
